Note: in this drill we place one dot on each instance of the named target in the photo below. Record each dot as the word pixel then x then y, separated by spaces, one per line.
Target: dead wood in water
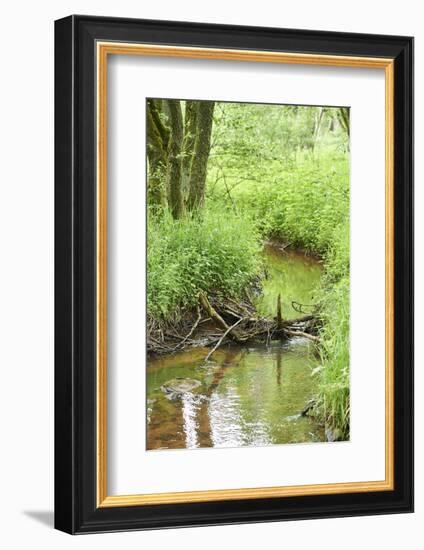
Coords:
pixel 226 333
pixel 216 316
pixel 193 328
pixel 217 320
pixel 279 318
pixel 301 333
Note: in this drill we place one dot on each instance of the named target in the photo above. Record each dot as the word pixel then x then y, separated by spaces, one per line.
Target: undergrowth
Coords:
pixel 215 253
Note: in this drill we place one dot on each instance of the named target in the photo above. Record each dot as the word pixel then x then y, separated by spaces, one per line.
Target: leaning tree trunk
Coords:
pixel 157 140
pixel 344 119
pixel 174 167
pixel 197 182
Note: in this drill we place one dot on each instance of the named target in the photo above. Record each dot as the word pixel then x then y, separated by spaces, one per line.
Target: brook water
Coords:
pixel 243 396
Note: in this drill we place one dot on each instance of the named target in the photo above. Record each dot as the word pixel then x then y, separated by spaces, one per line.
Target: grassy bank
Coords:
pixel 334 377
pixel 215 253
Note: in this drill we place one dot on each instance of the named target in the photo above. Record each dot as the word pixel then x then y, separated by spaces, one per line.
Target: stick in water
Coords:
pixel 229 329
pixel 279 317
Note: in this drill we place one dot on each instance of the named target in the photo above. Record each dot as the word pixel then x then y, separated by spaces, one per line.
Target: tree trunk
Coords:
pixel 155 181
pixel 157 139
pixel 190 121
pixel 174 166
pixel 344 119
pixel 317 125
pixel 197 182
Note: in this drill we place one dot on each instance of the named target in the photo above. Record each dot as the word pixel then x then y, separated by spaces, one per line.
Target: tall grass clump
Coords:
pixel 333 396
pixel 216 252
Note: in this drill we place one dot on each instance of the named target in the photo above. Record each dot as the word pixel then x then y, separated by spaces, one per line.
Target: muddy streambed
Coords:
pixel 245 395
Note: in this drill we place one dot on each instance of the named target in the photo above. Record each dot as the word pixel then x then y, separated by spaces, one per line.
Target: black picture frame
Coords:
pixel 76 510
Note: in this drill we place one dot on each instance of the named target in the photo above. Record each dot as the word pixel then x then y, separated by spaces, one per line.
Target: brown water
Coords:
pixel 248 396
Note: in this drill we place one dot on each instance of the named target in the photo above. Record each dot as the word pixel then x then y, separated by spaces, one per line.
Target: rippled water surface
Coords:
pixel 247 396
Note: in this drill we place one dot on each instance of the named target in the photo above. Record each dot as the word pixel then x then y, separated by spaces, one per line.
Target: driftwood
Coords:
pixel 216 316
pixel 218 319
pixel 302 334
pixel 226 333
pixel 279 316
pixel 193 328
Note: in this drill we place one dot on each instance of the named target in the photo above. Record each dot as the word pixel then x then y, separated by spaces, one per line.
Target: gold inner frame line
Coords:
pixel 103 50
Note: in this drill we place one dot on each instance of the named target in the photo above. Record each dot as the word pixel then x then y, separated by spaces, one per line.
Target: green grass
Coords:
pixel 217 253
pixel 333 397
pixel 334 400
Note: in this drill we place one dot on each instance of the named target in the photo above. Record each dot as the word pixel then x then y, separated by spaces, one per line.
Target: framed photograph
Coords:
pixel 234 274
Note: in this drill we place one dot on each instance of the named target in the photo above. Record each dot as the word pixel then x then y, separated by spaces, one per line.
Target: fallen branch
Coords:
pixel 215 315
pixel 161 345
pixel 193 328
pixel 226 333
pixel 300 333
pixel 298 320
pixel 297 306
pixel 279 317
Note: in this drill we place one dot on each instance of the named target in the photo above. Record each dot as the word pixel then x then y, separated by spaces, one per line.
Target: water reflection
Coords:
pixel 189 420
pixel 244 398
pixel 293 274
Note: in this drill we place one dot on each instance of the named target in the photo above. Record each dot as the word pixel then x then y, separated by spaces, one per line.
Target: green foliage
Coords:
pixel 335 301
pixel 280 171
pixel 334 404
pixel 217 253
pixel 301 204
pixel 246 134
pixel 333 395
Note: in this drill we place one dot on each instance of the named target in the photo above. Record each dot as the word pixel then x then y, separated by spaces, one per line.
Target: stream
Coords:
pixel 243 396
